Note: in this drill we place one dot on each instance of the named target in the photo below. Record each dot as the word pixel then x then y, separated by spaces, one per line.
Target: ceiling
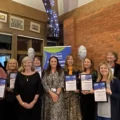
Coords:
pixel 63 5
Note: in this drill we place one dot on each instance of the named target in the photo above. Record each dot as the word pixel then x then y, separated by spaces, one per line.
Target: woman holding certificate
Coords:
pixel 108 110
pixel 112 58
pixel 28 88
pixel 88 77
pixel 72 85
pixel 10 99
pixel 53 83
pixel 2 75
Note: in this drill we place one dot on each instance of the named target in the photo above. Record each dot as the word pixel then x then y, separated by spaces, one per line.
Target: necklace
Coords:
pixel 27 78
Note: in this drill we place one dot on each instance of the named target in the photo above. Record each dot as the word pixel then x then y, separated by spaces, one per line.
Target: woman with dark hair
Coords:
pixel 86 98
pixel 72 107
pixel 112 58
pixel 53 83
pixel 37 64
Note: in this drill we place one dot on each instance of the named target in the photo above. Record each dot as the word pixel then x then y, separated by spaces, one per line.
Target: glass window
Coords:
pixel 36 44
pixel 22 44
pixel 5 42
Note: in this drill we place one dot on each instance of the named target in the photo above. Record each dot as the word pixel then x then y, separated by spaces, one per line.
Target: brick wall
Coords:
pixel 99 32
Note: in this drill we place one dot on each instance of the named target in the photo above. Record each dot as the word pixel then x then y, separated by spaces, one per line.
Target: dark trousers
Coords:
pixel 10 110
pixel 87 108
pixel 103 118
pixel 2 109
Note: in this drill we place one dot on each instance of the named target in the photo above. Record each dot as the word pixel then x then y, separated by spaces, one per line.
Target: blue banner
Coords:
pixel 59 51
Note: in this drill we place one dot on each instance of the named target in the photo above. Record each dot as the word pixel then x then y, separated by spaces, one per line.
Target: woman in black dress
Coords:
pixel 10 99
pixel 28 89
pixel 87 102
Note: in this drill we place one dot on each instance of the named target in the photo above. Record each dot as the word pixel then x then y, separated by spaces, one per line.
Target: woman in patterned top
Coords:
pixel 53 83
pixel 72 105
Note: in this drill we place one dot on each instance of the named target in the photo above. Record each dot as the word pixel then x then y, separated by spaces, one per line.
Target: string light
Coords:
pixel 52 17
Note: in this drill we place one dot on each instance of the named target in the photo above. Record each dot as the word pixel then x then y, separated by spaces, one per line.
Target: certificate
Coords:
pixel 100 92
pixel 86 82
pixel 2 87
pixel 12 78
pixel 38 69
pixel 70 83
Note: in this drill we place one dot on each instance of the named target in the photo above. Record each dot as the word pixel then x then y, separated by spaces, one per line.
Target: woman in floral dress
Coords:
pixel 53 83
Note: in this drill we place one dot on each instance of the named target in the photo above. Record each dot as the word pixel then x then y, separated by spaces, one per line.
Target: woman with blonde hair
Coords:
pixel 72 107
pixel 108 110
pixel 28 89
pixel 10 100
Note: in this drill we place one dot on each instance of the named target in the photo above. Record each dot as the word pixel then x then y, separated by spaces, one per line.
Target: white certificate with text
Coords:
pixel 12 79
pixel 2 87
pixel 86 82
pixel 100 92
pixel 70 83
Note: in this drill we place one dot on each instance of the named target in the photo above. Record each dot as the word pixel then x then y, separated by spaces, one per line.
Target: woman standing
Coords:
pixel 28 88
pixel 37 64
pixel 87 99
pixel 53 83
pixel 112 58
pixel 38 68
pixel 10 99
pixel 108 110
pixel 2 101
pixel 2 73
pixel 72 107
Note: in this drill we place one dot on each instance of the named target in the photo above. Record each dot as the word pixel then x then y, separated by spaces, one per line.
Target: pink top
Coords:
pixel 2 73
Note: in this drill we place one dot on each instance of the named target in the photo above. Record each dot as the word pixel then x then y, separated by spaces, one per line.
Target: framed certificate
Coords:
pixel 86 82
pixel 70 83
pixel 100 94
pixel 38 69
pixel 12 78
pixel 2 87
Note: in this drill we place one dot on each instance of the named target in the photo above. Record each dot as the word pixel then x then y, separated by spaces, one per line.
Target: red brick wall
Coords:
pixel 99 33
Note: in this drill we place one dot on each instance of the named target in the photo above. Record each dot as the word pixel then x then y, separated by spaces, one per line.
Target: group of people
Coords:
pixel 22 102
pixel 37 96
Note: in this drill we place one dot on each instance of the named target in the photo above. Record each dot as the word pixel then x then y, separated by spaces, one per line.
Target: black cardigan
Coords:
pixel 115 99
pixel 117 71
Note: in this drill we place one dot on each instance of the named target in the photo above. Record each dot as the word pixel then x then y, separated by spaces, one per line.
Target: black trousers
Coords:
pixel 2 109
pixel 10 110
pixel 87 105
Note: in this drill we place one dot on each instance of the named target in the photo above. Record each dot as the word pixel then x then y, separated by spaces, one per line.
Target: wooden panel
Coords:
pixel 22 10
